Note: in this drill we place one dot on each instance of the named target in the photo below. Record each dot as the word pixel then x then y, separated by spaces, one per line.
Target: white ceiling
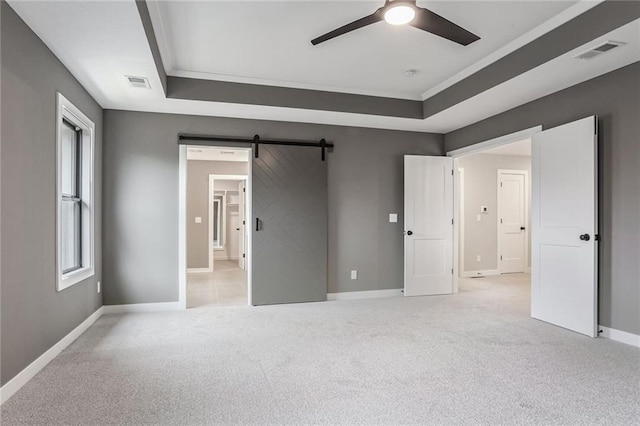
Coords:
pixel 268 42
pixel 107 42
pixel 217 154
pixel 522 148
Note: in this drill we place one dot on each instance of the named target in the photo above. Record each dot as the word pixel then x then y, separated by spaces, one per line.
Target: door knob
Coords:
pixel 522 228
pixel 585 237
pixel 409 233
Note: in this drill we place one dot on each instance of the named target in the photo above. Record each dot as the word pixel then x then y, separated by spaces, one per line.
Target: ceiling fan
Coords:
pixel 400 12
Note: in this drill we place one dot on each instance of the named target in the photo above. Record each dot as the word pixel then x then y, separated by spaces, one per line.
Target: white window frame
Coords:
pixel 67 111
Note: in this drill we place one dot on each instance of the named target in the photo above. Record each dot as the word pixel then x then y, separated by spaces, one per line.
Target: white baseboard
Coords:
pixel 372 294
pixel 485 273
pixel 620 336
pixel 140 308
pixel 13 385
pixel 198 270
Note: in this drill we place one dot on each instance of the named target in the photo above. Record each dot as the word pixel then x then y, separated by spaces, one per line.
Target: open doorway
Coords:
pixel 494 191
pixel 563 285
pixel 216 226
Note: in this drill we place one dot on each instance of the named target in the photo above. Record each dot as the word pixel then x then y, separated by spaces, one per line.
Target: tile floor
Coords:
pixel 225 286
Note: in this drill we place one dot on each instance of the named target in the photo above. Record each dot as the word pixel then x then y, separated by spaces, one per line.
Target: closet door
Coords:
pixel 289 220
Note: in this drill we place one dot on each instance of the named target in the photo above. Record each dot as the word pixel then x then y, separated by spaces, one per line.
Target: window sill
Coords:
pixel 74 277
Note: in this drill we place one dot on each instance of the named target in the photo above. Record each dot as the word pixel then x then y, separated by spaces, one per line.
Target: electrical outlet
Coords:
pixel 99 287
pixel 478 258
pixel 354 275
pixel 479 218
pixel 393 217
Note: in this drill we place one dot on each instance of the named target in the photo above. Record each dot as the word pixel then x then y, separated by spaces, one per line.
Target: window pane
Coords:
pixel 70 235
pixel 69 168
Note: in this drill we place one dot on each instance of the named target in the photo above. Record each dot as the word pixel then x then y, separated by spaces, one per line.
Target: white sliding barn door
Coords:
pixel 564 212
pixel 428 222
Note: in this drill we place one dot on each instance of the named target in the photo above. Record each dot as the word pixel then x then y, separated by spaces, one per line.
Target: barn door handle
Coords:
pixel 585 237
pixel 257 224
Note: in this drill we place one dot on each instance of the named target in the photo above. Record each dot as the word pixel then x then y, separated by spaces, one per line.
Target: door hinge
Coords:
pixel 244 189
pixel 452 221
pixel 500 184
pixel 500 257
pixel 451 271
pixel 244 223
pixel 243 255
pixel 451 172
pixel 596 237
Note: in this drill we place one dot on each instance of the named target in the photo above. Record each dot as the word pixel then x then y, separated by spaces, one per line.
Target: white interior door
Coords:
pixel 242 224
pixel 512 219
pixel 428 220
pixel 564 247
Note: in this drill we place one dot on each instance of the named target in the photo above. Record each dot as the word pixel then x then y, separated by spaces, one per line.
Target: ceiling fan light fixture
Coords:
pixel 399 14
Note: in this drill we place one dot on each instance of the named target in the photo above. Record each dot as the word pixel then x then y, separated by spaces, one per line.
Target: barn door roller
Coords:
pixel 257 141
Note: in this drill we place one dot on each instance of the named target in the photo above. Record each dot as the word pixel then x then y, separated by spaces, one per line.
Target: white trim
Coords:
pixel 13 385
pixel 495 142
pixel 458 218
pixel 524 173
pixel 371 294
pixel 182 226
pixel 198 270
pixel 66 110
pixel 137 308
pixel 222 216
pixel 620 336
pixel 480 273
pixel 182 223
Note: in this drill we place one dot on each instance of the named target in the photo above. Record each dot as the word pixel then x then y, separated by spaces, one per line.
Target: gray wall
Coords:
pixel 481 189
pixel 198 172
pixel 141 199
pixel 34 315
pixel 615 99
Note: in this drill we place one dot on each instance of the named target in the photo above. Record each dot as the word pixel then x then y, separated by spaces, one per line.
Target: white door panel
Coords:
pixel 512 219
pixel 564 247
pixel 428 212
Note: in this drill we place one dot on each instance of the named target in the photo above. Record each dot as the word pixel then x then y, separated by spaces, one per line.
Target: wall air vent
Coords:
pixel 138 82
pixel 600 49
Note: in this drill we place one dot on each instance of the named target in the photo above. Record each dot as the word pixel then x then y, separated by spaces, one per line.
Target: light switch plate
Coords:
pixel 198 219
pixel 354 275
pixel 479 218
pixel 393 217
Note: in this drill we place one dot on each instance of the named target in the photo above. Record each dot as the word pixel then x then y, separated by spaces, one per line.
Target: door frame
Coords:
pixel 524 173
pixel 182 222
pixel 469 150
pixel 223 219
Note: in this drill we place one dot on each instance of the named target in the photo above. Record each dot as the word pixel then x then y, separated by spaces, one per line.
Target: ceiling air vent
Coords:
pixel 599 50
pixel 138 82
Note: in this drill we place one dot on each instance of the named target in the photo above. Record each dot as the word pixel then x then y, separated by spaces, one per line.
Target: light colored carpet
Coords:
pixel 471 358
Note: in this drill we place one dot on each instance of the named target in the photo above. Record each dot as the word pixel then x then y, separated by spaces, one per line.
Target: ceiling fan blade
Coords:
pixel 362 22
pixel 432 22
